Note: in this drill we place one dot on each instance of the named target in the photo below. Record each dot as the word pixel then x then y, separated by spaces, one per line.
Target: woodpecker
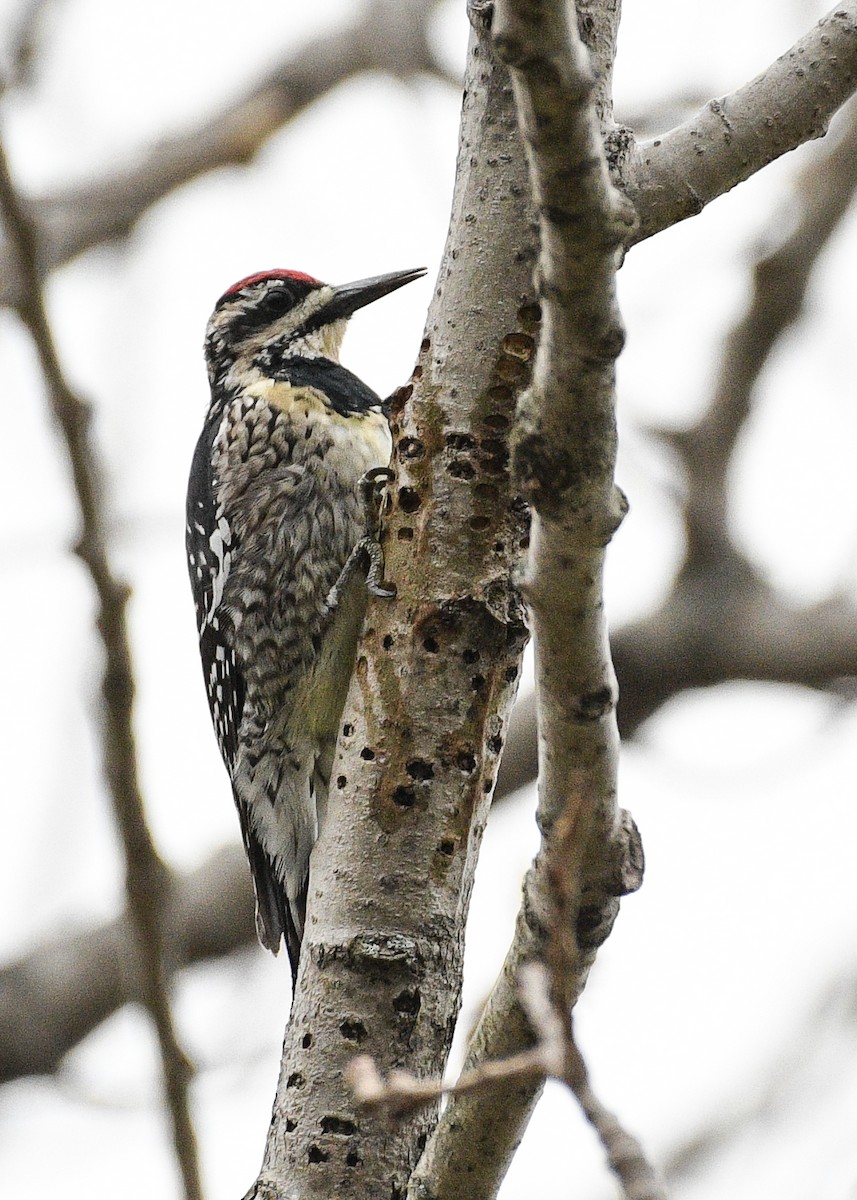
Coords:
pixel 282 510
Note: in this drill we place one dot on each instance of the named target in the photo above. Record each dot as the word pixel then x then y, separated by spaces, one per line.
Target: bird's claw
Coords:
pixel 371 486
pixel 376 584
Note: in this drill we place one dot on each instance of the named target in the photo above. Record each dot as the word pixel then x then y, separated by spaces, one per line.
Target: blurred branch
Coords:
pixel 21 51
pixel 675 175
pixel 721 620
pixel 384 35
pixel 719 626
pixel 57 993
pixel 824 192
pixel 810 1065
pixel 146 877
pixel 63 988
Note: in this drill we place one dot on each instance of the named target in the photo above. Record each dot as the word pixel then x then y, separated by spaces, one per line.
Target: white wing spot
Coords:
pixel 219 541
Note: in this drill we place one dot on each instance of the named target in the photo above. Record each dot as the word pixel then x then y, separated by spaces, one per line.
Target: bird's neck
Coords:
pixel 317 343
pixel 269 354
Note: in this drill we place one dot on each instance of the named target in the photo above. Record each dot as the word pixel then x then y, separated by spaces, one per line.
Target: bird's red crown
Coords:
pixel 278 273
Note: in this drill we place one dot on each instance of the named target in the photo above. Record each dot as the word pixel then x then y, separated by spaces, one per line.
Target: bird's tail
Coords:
pixel 276 916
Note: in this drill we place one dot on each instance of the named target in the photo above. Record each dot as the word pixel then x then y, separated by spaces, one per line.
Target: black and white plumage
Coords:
pixel 276 513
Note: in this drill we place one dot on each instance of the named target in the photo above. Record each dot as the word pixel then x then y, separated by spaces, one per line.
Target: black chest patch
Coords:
pixel 346 393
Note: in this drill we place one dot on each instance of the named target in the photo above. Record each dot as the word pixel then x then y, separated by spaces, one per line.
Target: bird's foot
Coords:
pixel 372 485
pixel 368 550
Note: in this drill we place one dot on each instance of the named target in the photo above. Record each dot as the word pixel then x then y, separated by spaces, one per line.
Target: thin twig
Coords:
pixel 555 1055
pixel 625 1155
pixel 401 1093
pixel 146 876
pixel 627 1159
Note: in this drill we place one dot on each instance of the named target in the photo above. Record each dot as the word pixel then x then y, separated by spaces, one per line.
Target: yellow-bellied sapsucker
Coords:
pixel 281 508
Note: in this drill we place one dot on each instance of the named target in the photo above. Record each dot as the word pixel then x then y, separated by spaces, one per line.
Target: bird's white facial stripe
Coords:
pixel 325 342
pixel 277 329
pixel 320 343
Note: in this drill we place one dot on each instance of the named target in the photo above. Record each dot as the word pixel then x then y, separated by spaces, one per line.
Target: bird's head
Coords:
pixel 287 313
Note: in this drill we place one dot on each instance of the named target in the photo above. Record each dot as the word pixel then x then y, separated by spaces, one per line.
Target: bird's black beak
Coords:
pixel 348 297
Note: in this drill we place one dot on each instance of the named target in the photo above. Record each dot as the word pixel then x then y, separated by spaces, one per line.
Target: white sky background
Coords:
pixel 744 795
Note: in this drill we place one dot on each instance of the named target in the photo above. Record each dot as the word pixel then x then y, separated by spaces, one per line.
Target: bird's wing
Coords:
pixel 210 546
pixel 209 555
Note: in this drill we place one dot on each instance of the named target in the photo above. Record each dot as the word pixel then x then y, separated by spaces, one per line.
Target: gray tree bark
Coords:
pixel 426 717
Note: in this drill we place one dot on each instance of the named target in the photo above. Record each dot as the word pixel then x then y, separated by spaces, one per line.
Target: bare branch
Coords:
pixel 674 176
pixel 564 439
pixel 627 1159
pixel 384 35
pixel 569 480
pixel 146 876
